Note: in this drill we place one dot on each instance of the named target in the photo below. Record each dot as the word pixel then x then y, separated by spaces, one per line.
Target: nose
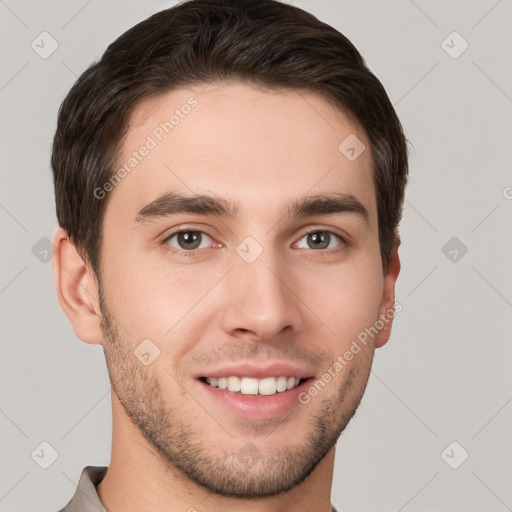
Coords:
pixel 260 299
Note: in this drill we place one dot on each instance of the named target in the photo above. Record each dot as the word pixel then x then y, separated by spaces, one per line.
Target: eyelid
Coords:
pixel 184 228
pixel 314 228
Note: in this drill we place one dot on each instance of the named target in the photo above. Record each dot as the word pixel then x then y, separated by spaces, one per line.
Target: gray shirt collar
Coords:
pixel 86 497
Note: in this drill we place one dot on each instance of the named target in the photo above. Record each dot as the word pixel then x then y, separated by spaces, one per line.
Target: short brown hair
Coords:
pixel 263 42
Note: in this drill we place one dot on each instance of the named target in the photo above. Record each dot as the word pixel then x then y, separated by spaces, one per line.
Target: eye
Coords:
pixel 188 240
pixel 317 240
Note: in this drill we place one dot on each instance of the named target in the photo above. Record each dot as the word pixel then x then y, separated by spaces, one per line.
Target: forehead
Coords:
pixel 257 147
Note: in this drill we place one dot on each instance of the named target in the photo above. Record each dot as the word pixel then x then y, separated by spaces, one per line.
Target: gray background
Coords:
pixel 444 376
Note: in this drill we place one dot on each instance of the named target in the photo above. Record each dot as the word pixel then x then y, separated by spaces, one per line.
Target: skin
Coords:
pixel 174 447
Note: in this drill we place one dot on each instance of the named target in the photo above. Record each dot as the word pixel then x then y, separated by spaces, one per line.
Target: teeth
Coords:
pixel 268 386
pixel 281 383
pixel 251 386
pixel 234 384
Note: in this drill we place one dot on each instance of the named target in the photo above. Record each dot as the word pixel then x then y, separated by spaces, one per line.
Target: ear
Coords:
pixel 77 289
pixel 387 306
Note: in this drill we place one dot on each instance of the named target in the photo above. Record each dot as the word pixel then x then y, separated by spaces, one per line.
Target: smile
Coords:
pixel 254 386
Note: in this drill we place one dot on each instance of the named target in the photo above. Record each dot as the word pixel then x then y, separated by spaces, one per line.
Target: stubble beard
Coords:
pixel 184 448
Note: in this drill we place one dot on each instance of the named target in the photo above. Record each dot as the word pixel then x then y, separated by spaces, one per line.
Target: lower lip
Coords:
pixel 257 406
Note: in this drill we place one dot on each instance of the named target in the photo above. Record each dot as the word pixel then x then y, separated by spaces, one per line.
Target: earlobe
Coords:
pixel 387 308
pixel 77 289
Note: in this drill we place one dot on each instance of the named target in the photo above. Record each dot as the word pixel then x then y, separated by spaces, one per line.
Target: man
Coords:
pixel 229 181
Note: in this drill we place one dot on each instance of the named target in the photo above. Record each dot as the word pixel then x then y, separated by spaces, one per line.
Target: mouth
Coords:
pixel 252 386
pixel 255 392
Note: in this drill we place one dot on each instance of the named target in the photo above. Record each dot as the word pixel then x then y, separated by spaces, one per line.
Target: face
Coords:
pixel 240 250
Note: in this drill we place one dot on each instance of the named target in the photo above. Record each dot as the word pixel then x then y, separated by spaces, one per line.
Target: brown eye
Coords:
pixel 188 240
pixel 318 240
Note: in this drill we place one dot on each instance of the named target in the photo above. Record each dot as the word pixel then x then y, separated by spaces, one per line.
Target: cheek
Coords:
pixel 154 300
pixel 135 294
pixel 347 302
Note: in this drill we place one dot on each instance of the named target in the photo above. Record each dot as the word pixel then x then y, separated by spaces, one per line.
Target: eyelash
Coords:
pixel 194 252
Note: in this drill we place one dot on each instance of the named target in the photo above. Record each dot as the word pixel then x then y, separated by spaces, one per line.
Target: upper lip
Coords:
pixel 258 372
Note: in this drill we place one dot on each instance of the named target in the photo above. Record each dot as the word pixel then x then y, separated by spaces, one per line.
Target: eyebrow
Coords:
pixel 172 203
